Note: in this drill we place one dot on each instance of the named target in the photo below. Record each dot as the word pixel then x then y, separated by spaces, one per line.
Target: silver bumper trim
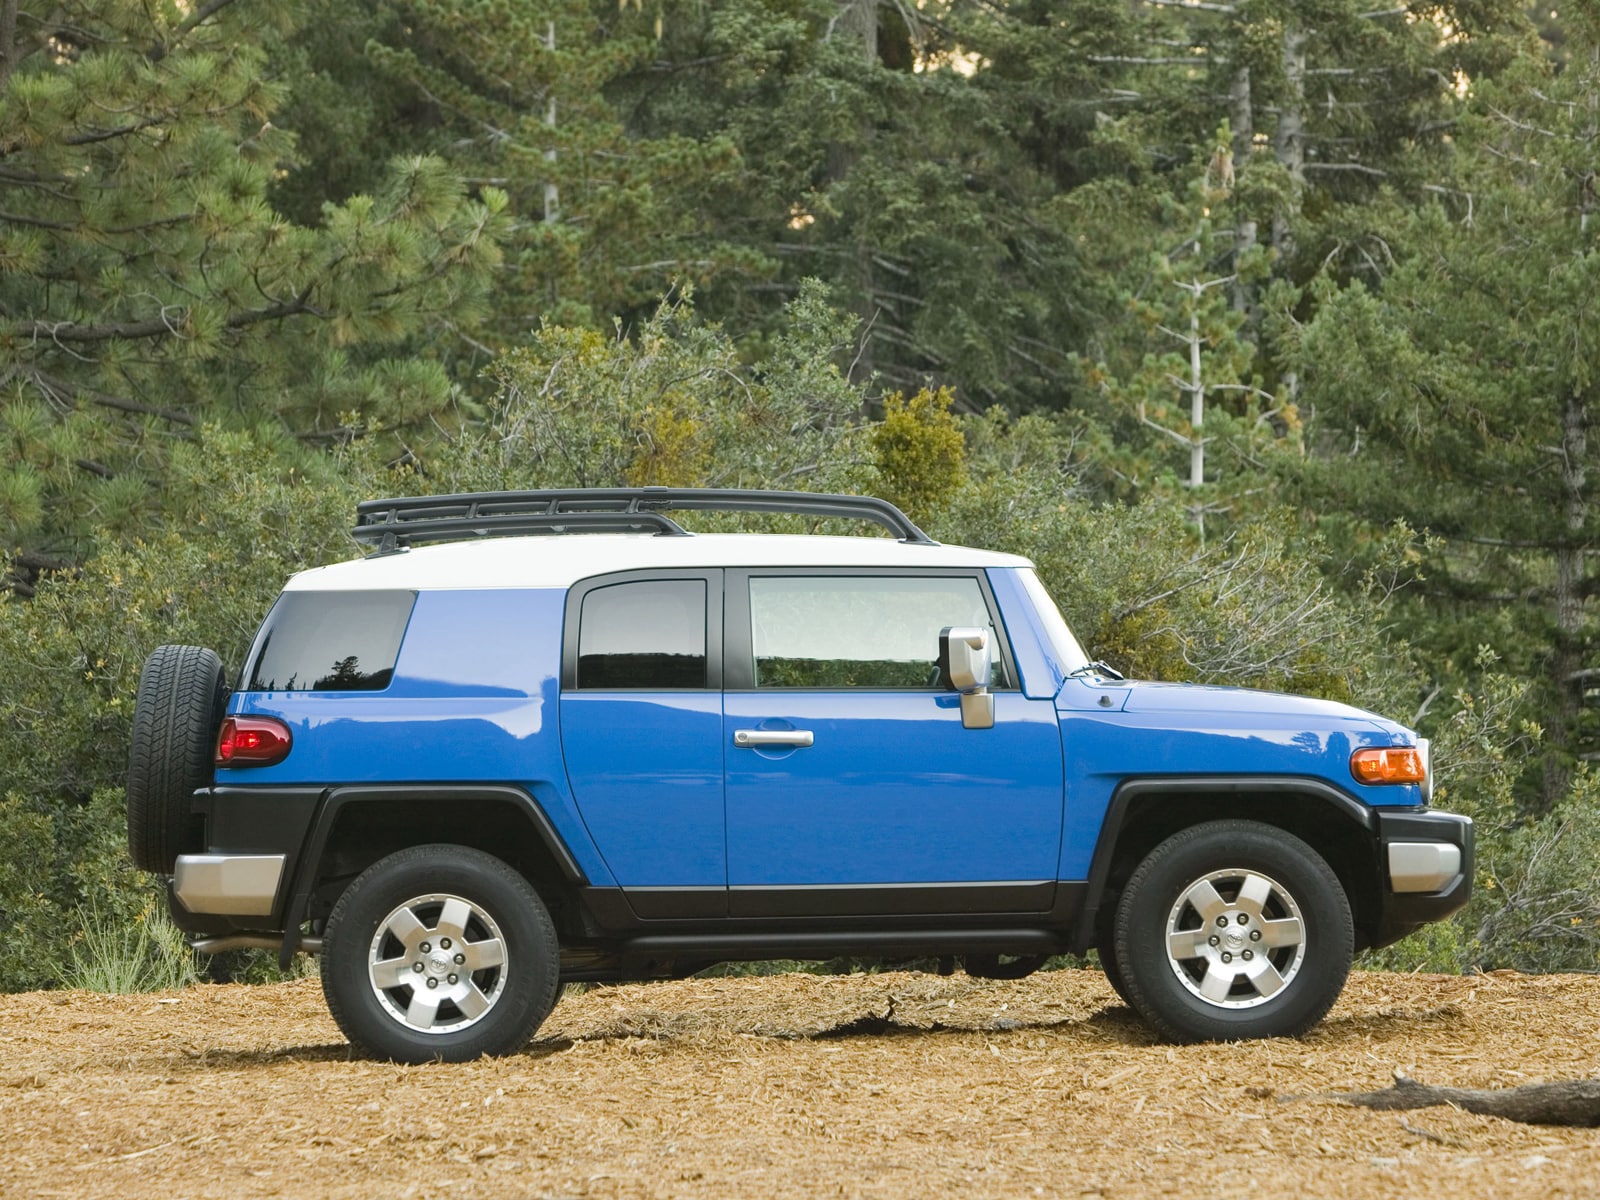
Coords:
pixel 234 885
pixel 1423 866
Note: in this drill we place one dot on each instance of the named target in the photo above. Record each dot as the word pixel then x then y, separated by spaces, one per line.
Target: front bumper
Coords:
pixel 1426 863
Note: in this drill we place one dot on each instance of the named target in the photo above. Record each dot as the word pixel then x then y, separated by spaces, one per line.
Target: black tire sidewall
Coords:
pixel 183 692
pixel 532 954
pixel 1140 932
pixel 1113 970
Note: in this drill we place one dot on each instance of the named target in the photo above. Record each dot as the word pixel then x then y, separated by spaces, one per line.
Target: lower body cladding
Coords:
pixel 673 949
pixel 243 890
pixel 259 896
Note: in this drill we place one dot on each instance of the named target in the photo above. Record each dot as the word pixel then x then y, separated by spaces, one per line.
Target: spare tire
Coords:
pixel 182 694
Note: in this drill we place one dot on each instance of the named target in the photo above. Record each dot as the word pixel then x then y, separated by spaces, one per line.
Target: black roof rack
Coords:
pixel 393 524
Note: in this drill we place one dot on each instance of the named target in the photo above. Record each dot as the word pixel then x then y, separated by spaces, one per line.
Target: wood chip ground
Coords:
pixel 793 1086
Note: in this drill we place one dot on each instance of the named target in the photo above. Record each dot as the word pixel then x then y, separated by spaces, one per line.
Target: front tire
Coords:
pixel 1233 929
pixel 440 953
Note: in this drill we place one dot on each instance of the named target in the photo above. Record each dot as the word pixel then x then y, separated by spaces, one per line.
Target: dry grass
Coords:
pixel 792 1086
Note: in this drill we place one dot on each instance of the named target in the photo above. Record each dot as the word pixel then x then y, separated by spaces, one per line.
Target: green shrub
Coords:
pixel 246 510
pixel 1540 908
pixel 111 953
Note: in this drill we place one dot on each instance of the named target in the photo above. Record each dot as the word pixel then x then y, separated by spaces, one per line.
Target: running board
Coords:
pixel 677 956
pixel 906 943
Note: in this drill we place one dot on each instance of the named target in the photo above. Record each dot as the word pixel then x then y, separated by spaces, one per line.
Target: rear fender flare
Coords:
pixel 338 799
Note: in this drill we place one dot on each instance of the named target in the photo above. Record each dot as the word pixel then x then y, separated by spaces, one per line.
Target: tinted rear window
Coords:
pixel 329 642
pixel 650 634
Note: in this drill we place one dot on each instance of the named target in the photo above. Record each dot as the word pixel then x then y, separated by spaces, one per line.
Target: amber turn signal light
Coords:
pixel 1394 764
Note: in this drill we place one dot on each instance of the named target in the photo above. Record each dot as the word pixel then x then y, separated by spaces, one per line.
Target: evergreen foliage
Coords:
pixel 240 520
pixel 260 260
pixel 1459 394
pixel 148 285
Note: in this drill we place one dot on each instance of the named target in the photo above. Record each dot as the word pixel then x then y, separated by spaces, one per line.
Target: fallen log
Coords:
pixel 1569 1102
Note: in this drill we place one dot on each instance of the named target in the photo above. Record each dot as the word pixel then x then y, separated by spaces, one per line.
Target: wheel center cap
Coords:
pixel 1234 941
pixel 438 963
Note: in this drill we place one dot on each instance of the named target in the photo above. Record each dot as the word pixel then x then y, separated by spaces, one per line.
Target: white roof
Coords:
pixel 561 560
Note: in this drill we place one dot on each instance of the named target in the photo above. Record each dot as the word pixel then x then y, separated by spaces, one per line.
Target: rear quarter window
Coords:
pixel 329 642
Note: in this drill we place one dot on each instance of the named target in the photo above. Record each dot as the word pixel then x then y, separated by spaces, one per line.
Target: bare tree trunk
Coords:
pixel 9 57
pixel 1197 398
pixel 552 193
pixel 1242 119
pixel 1289 141
pixel 859 20
pixel 1571 555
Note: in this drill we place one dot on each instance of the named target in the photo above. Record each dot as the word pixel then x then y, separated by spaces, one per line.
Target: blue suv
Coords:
pixel 574 742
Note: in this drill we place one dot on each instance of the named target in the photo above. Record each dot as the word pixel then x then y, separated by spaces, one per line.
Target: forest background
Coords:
pixel 1268 328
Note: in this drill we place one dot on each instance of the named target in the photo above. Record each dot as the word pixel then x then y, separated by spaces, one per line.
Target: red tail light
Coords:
pixel 252 742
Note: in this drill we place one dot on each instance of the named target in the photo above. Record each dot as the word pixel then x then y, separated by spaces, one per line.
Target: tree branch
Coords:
pixel 1345 166
pixel 157 326
pixel 60 389
pixel 1570 1102
pixel 94 468
pixel 37 222
pixel 1195 4
pixel 105 135
pixel 185 27
pixel 1191 61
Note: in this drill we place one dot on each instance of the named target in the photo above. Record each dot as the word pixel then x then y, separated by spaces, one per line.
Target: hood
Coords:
pixel 1148 697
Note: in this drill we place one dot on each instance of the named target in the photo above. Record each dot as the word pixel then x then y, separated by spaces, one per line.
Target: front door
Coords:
pixel 852 786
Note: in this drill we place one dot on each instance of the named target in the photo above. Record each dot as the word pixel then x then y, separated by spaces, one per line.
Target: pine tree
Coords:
pixel 147 284
pixel 1460 392
pixel 515 95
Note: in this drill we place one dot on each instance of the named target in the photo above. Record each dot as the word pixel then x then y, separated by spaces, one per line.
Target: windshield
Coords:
pixel 1068 654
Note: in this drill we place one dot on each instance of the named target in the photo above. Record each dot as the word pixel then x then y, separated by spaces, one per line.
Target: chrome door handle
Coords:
pixel 772 737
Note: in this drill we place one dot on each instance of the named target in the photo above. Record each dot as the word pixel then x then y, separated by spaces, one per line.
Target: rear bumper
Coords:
pixel 1426 861
pixel 233 885
pixel 253 843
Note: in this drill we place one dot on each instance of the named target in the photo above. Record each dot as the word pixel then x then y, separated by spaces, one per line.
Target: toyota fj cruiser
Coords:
pixel 575 742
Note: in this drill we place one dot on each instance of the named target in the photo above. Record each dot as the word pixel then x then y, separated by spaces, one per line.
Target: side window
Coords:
pixel 647 634
pixel 329 642
pixel 815 631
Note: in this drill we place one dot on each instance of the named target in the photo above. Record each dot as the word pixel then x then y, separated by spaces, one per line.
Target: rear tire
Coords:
pixel 440 953
pixel 1233 929
pixel 179 707
pixel 1113 969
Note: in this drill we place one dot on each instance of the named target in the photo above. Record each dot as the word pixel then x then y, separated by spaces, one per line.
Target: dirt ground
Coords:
pixel 868 1085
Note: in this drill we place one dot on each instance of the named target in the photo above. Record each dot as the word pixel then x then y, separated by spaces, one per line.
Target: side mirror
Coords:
pixel 964 660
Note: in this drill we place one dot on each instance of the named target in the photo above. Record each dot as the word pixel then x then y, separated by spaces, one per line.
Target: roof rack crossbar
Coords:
pixel 389 536
pixel 392 523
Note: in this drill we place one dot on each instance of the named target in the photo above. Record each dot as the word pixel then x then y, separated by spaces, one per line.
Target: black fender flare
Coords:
pixel 1131 791
pixel 337 799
